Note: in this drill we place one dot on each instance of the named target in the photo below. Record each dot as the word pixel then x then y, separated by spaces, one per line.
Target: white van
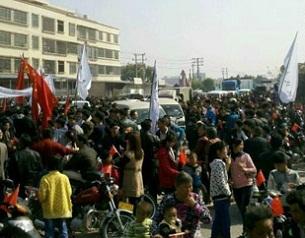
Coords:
pixel 141 107
pixel 174 110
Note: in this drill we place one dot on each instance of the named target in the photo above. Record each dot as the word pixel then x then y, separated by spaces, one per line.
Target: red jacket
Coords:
pixel 48 148
pixel 168 169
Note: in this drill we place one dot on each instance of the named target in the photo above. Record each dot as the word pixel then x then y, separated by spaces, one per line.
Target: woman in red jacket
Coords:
pixel 168 164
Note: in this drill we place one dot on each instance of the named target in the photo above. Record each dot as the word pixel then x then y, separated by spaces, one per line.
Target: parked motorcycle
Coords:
pixel 14 220
pixel 94 207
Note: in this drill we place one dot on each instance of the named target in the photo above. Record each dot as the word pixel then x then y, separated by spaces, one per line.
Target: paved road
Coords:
pixel 236 223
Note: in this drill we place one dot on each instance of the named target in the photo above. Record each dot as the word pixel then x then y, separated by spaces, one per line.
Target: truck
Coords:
pixel 237 84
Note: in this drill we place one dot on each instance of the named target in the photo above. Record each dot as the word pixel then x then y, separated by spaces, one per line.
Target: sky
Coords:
pixel 244 36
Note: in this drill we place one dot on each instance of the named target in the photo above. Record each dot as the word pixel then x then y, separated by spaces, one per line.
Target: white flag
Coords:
pixel 50 81
pixel 154 101
pixel 289 79
pixel 84 76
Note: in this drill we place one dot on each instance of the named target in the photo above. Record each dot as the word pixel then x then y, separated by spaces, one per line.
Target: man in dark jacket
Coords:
pixel 85 160
pixel 149 143
pixel 256 145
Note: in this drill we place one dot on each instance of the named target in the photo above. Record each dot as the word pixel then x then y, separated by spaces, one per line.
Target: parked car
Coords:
pixel 141 107
pixel 174 110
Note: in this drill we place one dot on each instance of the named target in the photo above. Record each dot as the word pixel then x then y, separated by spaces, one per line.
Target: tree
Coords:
pixel 208 85
pixel 205 85
pixel 128 72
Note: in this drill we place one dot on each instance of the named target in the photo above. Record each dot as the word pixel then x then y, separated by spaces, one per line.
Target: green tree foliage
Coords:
pixel 205 85
pixel 128 72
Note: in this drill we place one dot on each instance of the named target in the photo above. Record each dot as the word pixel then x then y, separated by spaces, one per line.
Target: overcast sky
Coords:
pixel 245 36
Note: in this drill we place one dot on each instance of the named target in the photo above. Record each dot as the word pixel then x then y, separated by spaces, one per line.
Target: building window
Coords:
pixel 93 69
pixel 72 48
pixel 91 34
pixel 5 14
pixel 20 17
pixel 60 26
pixel 108 53
pixel 35 42
pixel 35 63
pixel 16 65
pixel 20 40
pixel 61 67
pixel 71 29
pixel 100 35
pixel 100 53
pixel 108 37
pixel 35 20
pixel 82 33
pixel 101 69
pixel 116 54
pixel 48 24
pixel 5 65
pixel 48 46
pixel 5 38
pixel 72 68
pixel 49 66
pixel 61 47
pixel 116 38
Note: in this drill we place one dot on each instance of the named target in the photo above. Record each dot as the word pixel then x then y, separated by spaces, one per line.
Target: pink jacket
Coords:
pixel 243 171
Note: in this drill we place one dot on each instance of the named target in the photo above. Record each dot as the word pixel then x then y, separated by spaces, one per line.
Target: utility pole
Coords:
pixel 143 59
pixel 223 73
pixel 227 73
pixel 136 63
pixel 142 62
pixel 198 62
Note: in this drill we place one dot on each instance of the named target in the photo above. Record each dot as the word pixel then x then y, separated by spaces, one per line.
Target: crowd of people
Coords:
pixel 214 159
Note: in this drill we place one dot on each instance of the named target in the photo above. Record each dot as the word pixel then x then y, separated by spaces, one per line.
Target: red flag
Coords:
pixel 20 81
pixel 260 178
pixel 13 197
pixel 113 150
pixel 41 95
pixel 277 207
pixel 67 105
pixel 182 157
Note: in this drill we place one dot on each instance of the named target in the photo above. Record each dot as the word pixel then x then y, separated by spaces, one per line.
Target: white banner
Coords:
pixel 289 80
pixel 154 101
pixel 84 76
pixel 11 93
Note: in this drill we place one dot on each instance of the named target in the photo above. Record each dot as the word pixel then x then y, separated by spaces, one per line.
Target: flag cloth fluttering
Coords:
pixel 260 178
pixel 154 101
pixel 41 94
pixel 113 150
pixel 289 79
pixel 84 77
pixel 67 105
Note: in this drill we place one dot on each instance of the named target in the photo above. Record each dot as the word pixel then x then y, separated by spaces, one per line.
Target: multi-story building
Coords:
pixel 51 38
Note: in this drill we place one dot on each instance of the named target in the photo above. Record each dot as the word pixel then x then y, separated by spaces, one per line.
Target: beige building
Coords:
pixel 51 38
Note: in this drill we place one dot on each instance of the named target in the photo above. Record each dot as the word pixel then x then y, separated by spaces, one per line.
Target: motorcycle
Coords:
pixel 14 220
pixel 94 207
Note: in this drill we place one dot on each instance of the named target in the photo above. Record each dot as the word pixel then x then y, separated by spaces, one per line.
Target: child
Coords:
pixel 194 170
pixel 141 227
pixel 171 224
pixel 55 198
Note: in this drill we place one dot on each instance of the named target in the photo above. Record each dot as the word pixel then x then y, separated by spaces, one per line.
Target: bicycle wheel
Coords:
pixel 111 228
pixel 150 200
